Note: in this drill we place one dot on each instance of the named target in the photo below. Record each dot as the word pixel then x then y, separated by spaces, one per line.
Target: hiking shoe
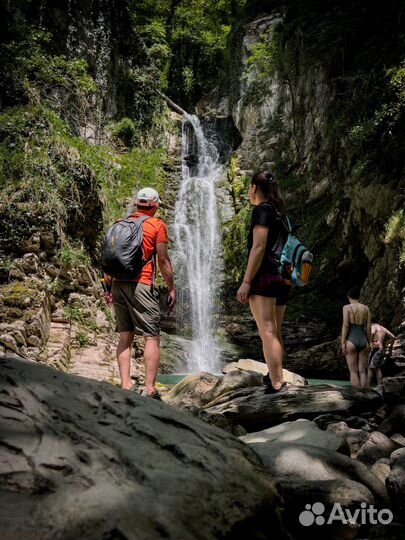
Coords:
pixel 153 395
pixel 266 380
pixel 282 390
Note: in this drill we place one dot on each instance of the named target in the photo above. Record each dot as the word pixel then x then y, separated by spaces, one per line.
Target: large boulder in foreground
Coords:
pixel 254 409
pixel 80 459
pixel 288 461
pixel 298 493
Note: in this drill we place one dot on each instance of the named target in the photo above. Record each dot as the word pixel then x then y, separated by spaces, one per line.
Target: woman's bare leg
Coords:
pixel 352 363
pixel 362 366
pixel 280 310
pixel 379 376
pixel 370 375
pixel 264 312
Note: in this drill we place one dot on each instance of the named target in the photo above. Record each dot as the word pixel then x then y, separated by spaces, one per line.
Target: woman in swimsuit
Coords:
pixel 356 336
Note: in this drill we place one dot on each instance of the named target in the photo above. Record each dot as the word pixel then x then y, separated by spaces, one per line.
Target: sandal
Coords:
pixel 153 395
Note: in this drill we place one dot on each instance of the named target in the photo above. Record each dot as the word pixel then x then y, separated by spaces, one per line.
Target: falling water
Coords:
pixel 197 257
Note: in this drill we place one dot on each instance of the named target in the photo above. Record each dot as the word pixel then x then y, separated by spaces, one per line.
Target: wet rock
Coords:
pixel 89 460
pixel 299 432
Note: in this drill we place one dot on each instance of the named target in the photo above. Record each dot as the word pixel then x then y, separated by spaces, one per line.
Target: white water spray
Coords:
pixel 197 256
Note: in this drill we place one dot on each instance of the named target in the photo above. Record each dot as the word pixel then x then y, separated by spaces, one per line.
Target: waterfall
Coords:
pixel 197 254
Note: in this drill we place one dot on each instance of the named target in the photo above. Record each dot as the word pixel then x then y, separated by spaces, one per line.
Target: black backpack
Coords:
pixel 122 250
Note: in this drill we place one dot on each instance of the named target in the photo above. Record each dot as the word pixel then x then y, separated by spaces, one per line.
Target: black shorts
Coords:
pixel 376 358
pixel 272 286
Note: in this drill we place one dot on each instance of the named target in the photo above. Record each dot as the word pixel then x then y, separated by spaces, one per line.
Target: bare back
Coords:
pixel 358 314
pixel 379 335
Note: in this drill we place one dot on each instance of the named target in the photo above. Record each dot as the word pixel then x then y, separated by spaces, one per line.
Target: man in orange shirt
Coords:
pixel 136 302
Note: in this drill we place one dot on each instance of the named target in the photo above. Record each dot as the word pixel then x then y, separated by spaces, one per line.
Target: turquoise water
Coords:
pixel 174 378
pixel 313 382
pixel 171 378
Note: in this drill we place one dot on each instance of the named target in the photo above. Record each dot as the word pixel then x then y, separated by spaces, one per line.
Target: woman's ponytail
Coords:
pixel 266 182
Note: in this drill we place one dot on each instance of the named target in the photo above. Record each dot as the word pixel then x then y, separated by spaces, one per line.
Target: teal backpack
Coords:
pixel 295 260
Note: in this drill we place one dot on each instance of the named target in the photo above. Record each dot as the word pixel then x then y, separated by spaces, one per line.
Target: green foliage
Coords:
pixel 82 339
pixel 188 78
pixel 395 233
pixel 133 170
pixel 75 314
pixel 16 293
pixel 42 77
pixel 71 255
pixel 186 40
pixel 263 56
pixel 236 231
pixel 125 132
pixel 45 185
pixel 235 247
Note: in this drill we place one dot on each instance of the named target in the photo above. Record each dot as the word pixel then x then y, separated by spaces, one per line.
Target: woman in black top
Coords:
pixel 263 287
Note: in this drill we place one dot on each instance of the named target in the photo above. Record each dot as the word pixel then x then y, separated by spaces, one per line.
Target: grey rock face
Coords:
pixel 297 493
pixel 286 461
pixel 254 409
pixel 83 459
pixel 377 446
pixel 299 432
pixel 202 388
pixel 355 438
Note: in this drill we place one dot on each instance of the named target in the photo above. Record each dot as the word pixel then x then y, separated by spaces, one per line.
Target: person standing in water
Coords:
pixel 376 358
pixel 356 336
pixel 263 287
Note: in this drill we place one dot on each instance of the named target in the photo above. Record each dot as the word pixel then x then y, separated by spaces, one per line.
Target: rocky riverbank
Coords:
pixel 139 469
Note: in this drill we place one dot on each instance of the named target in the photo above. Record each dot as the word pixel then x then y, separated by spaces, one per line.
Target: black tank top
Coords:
pixel 266 215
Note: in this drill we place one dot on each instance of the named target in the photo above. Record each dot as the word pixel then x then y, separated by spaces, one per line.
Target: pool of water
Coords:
pixel 174 378
pixel 171 378
pixel 313 382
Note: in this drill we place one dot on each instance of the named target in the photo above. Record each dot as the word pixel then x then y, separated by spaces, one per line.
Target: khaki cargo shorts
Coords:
pixel 136 308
